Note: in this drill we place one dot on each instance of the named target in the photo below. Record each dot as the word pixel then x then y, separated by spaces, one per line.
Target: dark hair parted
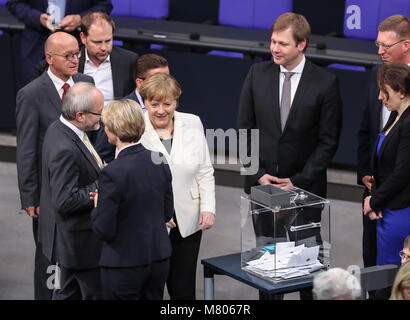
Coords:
pixel 148 62
pixel 94 17
pixel 396 75
pixel 298 23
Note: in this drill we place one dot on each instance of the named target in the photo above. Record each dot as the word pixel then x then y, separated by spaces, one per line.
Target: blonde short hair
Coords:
pixel 402 281
pixel 125 119
pixel 160 86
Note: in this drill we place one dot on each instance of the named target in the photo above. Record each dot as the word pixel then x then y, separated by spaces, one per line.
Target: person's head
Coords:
pixel 147 65
pixel 289 40
pixel 83 105
pixel 405 253
pixel 336 284
pixel 62 52
pixel 97 30
pixel 160 93
pixel 123 121
pixel 394 84
pixel 393 39
pixel 401 285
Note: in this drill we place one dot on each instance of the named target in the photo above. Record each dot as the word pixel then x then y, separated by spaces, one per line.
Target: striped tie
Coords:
pixel 92 150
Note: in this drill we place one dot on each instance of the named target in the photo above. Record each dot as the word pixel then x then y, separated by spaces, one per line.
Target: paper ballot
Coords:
pixel 287 262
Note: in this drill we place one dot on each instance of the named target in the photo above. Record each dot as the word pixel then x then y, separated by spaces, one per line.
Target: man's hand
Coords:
pixel 283 182
pixel 45 21
pixel 70 22
pixel 94 196
pixel 206 220
pixel 33 211
pixel 368 181
pixel 266 179
pixel 171 224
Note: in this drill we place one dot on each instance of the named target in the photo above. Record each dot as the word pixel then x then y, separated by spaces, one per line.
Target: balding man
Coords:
pixel 71 167
pixel 38 104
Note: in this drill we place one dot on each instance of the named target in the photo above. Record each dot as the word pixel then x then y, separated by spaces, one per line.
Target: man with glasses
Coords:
pixel 405 253
pixel 393 42
pixel 70 170
pixel 38 104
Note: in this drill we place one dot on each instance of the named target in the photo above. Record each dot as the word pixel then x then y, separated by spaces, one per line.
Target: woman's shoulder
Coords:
pixel 188 118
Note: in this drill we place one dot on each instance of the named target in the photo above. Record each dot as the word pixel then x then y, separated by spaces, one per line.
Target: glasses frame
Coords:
pixel 95 113
pixel 67 55
pixel 387 46
pixel 403 255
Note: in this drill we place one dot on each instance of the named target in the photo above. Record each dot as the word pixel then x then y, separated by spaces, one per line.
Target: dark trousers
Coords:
pixel 145 282
pixel 79 285
pixel 181 283
pixel 369 240
pixel 41 264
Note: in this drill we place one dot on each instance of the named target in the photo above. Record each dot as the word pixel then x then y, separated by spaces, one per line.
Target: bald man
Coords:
pixel 38 104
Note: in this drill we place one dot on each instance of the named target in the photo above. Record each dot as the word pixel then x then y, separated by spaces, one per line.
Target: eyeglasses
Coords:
pixel 68 56
pixel 387 46
pixel 95 113
pixel 403 255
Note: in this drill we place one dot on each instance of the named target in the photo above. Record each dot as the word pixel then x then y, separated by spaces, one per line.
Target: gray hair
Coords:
pixel 336 283
pixel 79 98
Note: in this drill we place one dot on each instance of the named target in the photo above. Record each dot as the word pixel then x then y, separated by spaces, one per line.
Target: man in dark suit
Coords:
pixel 70 172
pixel 38 104
pixel 297 108
pixel 393 47
pixel 146 65
pixel 33 14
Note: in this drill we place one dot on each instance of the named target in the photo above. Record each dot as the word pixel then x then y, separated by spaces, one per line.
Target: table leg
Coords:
pixel 208 284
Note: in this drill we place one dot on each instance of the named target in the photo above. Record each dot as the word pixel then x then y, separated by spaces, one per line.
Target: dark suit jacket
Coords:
pixel 132 96
pixel 35 35
pixel 122 66
pixel 37 106
pixel 70 173
pixel 310 138
pixel 391 169
pixel 134 202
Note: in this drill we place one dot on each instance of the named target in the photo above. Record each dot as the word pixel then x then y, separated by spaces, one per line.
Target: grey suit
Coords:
pixel 70 173
pixel 37 106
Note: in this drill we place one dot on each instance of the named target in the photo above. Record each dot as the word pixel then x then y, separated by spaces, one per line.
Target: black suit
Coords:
pixel 122 68
pixel 70 173
pixel 391 169
pixel 134 203
pixel 308 142
pixel 310 138
pixel 38 104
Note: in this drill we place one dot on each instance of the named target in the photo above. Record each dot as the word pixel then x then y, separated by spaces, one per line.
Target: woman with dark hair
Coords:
pixel 389 202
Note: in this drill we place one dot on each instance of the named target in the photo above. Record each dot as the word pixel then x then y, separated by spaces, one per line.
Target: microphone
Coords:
pixel 319 45
pixel 194 36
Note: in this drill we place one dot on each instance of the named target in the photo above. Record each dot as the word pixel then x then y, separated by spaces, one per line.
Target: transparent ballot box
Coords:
pixel 285 234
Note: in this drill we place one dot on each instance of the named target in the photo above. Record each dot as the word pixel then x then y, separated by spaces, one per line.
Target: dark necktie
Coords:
pixel 66 86
pixel 285 101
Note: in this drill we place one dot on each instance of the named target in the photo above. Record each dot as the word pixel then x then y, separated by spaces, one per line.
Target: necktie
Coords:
pixel 65 87
pixel 92 150
pixel 285 101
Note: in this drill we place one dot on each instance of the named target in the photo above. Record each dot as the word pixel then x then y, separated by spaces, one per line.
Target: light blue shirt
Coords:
pixel 140 100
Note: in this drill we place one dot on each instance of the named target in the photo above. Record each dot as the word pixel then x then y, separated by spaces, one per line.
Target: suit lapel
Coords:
pixel 81 63
pixel 87 154
pixel 275 95
pixel 50 91
pixel 116 73
pixel 177 142
pixel 303 87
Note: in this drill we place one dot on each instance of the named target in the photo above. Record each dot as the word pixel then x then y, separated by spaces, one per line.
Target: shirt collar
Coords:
pixel 140 100
pixel 80 133
pixel 297 69
pixel 57 81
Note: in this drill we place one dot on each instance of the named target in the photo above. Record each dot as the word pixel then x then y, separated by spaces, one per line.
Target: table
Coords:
pixel 230 265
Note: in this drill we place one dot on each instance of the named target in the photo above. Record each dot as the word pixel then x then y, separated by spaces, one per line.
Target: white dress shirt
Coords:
pixel 294 80
pixel 102 77
pixel 58 83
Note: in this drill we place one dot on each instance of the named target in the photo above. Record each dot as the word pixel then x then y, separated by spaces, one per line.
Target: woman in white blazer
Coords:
pixel 180 138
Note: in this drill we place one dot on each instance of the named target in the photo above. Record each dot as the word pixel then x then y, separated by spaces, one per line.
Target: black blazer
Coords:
pixel 122 67
pixel 134 202
pixel 311 135
pixel 70 173
pixel 37 106
pixel 391 170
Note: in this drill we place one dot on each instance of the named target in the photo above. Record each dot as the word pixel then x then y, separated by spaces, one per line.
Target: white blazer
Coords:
pixel 193 180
